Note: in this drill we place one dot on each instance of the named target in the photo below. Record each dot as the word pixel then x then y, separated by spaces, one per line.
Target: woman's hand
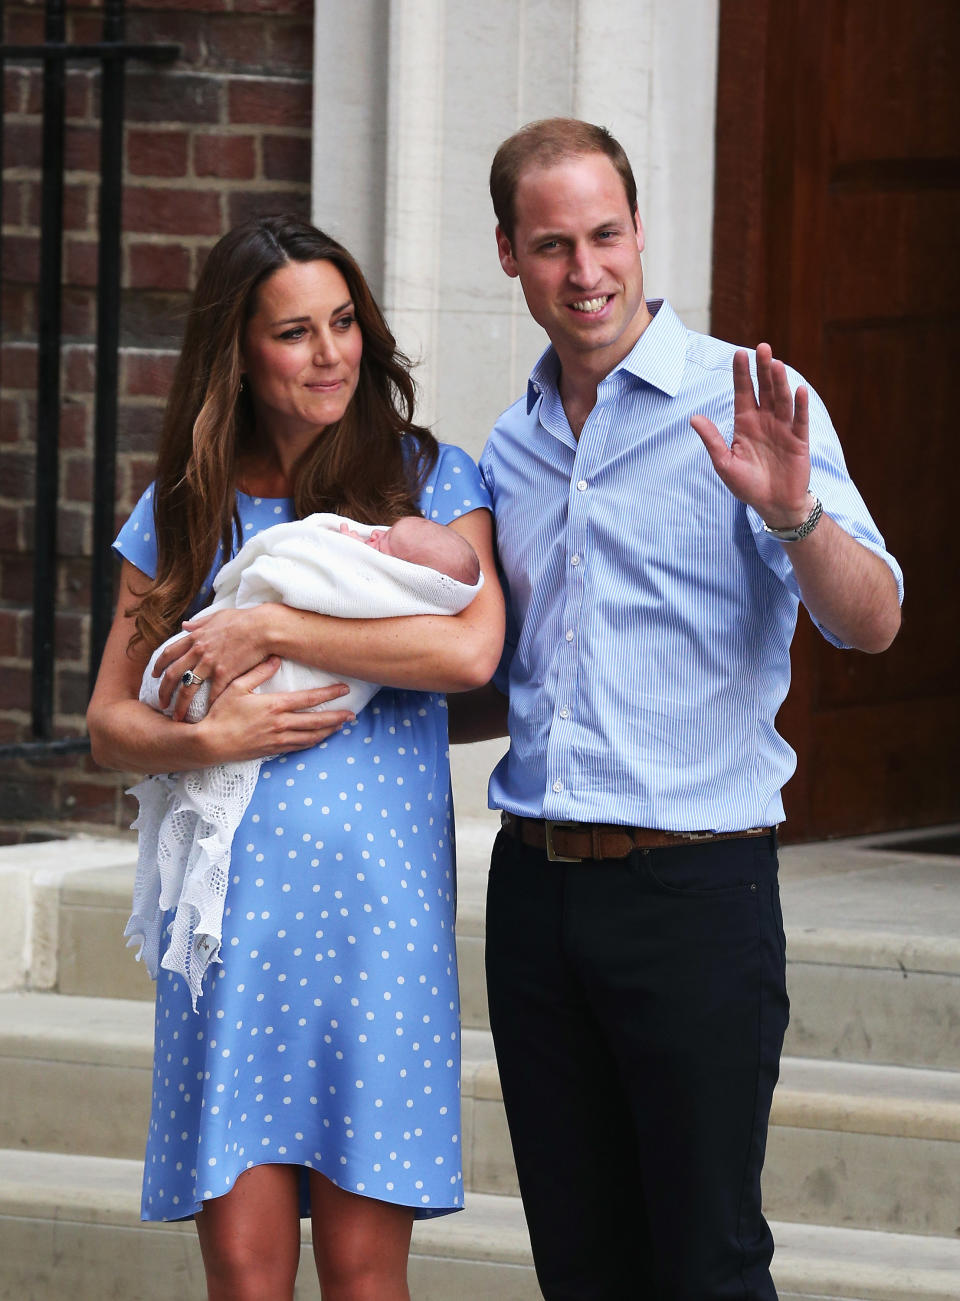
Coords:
pixel 245 724
pixel 218 648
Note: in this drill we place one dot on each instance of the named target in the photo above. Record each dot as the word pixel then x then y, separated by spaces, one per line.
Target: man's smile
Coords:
pixel 588 306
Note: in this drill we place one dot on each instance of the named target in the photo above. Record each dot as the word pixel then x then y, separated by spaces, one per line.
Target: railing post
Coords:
pixel 108 337
pixel 48 379
pixel 111 52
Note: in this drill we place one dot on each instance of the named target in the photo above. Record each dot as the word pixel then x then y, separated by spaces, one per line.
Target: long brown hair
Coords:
pixel 358 468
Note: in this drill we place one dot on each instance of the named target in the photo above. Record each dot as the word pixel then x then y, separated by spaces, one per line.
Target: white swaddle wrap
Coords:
pixel 186 821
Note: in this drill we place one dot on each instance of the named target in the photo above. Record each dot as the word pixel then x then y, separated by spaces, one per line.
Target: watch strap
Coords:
pixel 800 531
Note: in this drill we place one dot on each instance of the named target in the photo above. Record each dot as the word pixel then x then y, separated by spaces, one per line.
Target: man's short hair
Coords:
pixel 545 143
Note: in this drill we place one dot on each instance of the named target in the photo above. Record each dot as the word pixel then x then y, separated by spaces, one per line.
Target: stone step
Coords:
pixel 855 1145
pixel 873 938
pixel 68 1226
pixel 866 1146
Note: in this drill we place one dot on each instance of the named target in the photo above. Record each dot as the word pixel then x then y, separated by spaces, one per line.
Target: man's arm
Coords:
pixel 844 585
pixel 479 715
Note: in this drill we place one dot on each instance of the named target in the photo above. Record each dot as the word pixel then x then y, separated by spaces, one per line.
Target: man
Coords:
pixel 635 950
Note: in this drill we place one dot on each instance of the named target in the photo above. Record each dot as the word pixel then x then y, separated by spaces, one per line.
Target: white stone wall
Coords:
pixel 412 98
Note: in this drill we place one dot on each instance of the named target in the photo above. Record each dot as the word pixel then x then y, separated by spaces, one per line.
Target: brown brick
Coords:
pixel 22 144
pixel 171 212
pixel 84 29
pixel 76 476
pixel 196 6
pixel 21 258
pixel 78 207
pixel 270 101
pixel 23 28
pixel 14 687
pixel 75 423
pixel 140 473
pixel 90 801
pixel 73 583
pixel 18 309
pixel 72 692
pixel 30 203
pixel 78 313
pixel 262 203
pixel 80 265
pixel 158 266
pixel 13 202
pixel 286 158
pixel 82 149
pixel 183 29
pixel 138 426
pixel 10 528
pixel 70 636
pixel 9 633
pixel 237 44
pixel 291 47
pixel 11 421
pixel 11 730
pixel 183 98
pixel 27 796
pixel 73 530
pixel 15 84
pixel 18 475
pixel 152 318
pixel 18 366
pixel 295 8
pixel 81 97
pixel 156 153
pixel 79 367
pixel 227 157
pixel 25 630
pixel 16 582
pixel 33 103
pixel 148 374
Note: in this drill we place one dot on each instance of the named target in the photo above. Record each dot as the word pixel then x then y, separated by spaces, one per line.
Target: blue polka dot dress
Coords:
pixel 328 1038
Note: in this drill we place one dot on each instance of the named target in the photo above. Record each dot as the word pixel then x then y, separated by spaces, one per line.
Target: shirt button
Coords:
pixel 569 634
pixel 564 713
pixel 574 560
pixel 582 486
pixel 558 787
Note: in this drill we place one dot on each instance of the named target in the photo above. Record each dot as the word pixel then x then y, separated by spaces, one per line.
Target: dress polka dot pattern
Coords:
pixel 328 1037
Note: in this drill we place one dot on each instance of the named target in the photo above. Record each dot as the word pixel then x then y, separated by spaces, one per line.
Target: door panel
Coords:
pixel 836 221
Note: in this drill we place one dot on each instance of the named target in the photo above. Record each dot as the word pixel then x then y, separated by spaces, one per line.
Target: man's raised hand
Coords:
pixel 767 464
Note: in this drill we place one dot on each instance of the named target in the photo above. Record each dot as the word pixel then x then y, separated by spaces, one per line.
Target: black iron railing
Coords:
pixel 112 52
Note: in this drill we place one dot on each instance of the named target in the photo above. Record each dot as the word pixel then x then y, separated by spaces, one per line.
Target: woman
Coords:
pixel 320 1075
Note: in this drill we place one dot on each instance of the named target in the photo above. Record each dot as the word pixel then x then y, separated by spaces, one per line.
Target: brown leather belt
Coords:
pixel 572 842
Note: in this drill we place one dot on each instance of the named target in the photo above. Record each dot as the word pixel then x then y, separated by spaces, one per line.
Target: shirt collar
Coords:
pixel 657 358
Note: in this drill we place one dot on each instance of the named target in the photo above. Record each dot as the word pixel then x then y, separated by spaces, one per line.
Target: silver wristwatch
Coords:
pixel 801 531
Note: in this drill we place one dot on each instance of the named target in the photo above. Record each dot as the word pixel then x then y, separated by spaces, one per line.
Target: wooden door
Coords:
pixel 836 227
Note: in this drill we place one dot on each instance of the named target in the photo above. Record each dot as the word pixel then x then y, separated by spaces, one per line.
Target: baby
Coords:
pixel 422 542
pixel 187 820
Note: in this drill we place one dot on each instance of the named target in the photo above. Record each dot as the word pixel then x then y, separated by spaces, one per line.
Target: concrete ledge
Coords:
pixel 68 1226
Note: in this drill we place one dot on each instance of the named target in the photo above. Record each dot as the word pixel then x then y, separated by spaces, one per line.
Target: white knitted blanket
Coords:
pixel 186 821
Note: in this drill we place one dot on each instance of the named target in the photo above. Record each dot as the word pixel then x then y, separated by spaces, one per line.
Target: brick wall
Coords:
pixel 219 135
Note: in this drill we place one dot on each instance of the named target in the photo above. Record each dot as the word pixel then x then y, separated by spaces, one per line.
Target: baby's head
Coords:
pixel 424 542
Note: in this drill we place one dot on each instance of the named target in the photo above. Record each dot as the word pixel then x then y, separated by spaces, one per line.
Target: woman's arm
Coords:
pixel 423 652
pixel 126 734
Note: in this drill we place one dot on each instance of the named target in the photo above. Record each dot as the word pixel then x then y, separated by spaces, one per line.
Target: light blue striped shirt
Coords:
pixel 650 617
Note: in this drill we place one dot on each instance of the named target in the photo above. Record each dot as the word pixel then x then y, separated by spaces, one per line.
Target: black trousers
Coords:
pixel 638 1009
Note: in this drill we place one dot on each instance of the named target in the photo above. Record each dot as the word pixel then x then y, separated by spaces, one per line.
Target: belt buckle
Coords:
pixel 549 828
